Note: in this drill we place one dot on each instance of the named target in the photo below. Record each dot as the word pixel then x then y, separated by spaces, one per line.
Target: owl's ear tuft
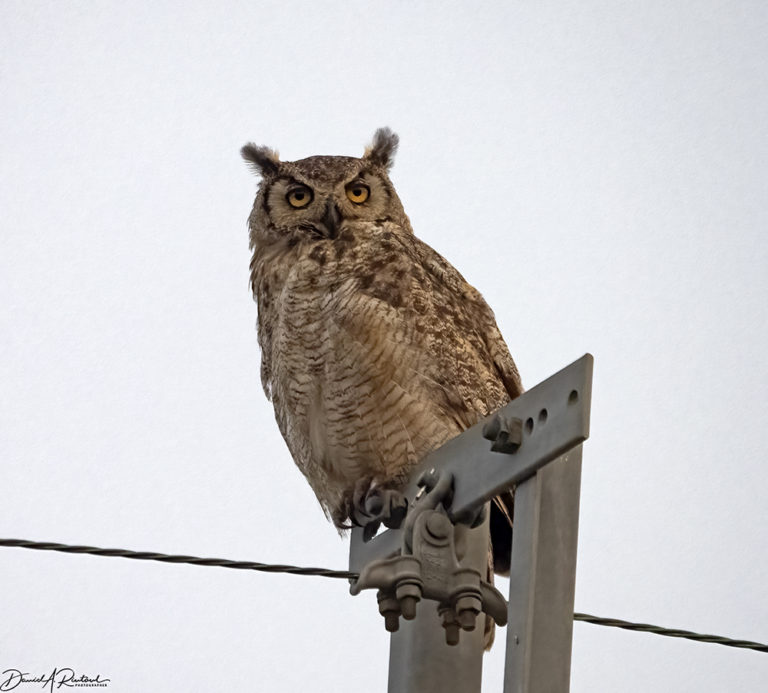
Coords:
pixel 382 150
pixel 263 160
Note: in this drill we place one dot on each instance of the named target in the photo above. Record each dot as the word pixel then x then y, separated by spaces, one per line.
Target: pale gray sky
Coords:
pixel 596 169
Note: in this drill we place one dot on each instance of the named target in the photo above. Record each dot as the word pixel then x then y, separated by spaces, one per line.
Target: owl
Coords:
pixel 374 349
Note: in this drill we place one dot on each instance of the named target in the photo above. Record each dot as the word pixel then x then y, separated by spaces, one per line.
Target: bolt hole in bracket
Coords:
pixel 532 430
pixel 479 471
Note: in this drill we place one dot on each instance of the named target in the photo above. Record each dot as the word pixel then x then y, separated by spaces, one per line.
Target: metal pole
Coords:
pixel 543 579
pixel 420 661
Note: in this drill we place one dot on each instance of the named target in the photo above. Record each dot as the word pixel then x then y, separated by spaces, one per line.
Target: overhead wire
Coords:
pixel 168 558
pixel 348 575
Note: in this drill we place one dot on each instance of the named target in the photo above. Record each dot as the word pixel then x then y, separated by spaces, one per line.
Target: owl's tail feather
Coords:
pixel 499 550
pixel 502 507
pixel 489 634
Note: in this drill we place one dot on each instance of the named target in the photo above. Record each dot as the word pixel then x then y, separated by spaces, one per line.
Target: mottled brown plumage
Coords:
pixel 375 350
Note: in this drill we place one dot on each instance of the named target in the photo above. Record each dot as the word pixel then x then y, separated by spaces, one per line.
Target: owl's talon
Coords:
pixel 374 503
pixel 397 507
pixel 370 530
pixel 373 506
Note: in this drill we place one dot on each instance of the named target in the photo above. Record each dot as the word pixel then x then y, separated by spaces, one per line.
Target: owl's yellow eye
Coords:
pixel 299 197
pixel 358 192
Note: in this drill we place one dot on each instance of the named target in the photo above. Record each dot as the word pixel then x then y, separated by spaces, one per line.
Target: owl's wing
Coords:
pixel 420 342
pixel 477 313
pixel 495 369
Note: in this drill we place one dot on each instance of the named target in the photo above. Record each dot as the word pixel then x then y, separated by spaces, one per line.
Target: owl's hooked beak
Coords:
pixel 332 219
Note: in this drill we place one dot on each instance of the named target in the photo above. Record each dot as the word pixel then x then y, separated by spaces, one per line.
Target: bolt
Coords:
pixel 391 622
pixel 408 607
pixel 389 608
pixel 491 428
pixel 439 526
pixel 467 620
pixel 408 594
pixel 428 479
pixel 451 627
pixel 506 433
pixel 467 608
pixel 452 634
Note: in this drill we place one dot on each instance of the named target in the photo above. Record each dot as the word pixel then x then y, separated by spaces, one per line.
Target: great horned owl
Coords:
pixel 374 349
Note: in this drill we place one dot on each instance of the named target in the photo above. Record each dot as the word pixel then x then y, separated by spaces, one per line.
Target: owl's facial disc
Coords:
pixel 314 207
pixel 297 207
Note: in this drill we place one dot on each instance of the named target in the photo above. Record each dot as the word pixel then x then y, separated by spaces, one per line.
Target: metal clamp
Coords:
pixel 428 568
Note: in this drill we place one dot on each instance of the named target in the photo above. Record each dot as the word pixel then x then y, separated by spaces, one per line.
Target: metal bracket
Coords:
pixel 529 432
pixel 428 568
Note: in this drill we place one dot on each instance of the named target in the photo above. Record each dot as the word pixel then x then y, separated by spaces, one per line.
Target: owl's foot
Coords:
pixel 373 505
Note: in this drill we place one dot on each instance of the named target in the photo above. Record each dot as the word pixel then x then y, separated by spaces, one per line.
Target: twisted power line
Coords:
pixel 166 558
pixel 670 632
pixel 347 575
